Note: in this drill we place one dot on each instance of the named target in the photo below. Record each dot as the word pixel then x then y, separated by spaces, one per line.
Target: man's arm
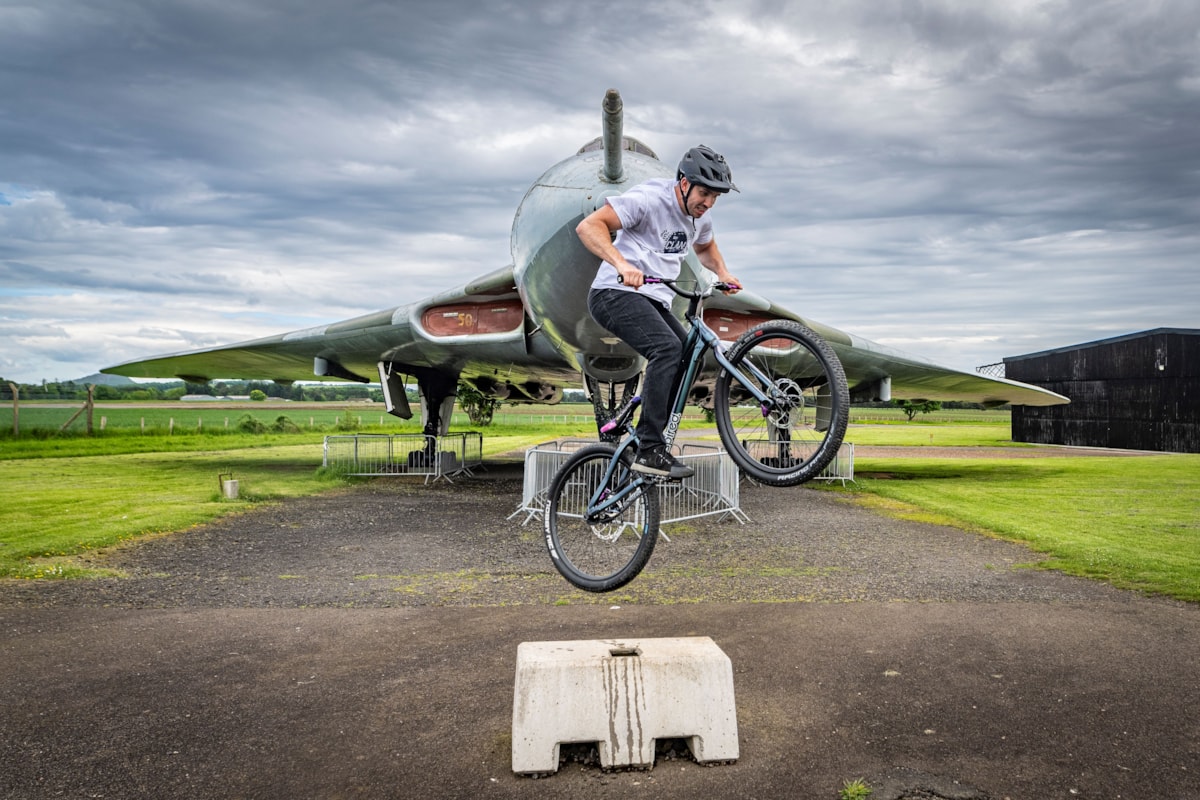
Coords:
pixel 595 231
pixel 712 260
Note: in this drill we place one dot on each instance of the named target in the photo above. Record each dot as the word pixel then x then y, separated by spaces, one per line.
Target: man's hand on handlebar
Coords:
pixel 631 276
pixel 728 284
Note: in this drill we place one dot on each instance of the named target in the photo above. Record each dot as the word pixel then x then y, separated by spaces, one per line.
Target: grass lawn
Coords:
pixel 932 436
pixel 969 435
pixel 1128 520
pixel 65 506
pixel 57 508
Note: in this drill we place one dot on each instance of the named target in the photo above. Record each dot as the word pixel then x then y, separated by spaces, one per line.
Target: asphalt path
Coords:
pixel 363 645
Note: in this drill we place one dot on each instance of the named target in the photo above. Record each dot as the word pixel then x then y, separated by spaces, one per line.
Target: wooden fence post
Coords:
pixel 16 408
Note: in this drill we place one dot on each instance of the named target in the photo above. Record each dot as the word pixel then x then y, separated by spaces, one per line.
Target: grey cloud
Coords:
pixel 1007 170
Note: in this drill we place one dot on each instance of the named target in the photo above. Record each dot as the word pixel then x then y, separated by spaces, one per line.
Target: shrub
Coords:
pixel 284 425
pixel 479 407
pixel 348 421
pixel 250 424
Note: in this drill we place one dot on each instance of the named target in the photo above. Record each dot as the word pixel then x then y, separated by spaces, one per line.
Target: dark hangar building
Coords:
pixel 1134 392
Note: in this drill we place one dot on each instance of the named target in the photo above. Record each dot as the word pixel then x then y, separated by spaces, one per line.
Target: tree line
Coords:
pixel 173 390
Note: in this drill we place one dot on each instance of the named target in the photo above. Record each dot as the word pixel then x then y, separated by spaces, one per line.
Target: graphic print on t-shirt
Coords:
pixel 674 241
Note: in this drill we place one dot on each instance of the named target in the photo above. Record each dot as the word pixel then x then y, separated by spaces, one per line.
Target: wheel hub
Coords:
pixel 787 398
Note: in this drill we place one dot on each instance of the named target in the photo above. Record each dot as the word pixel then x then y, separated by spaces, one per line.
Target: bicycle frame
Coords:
pixel 700 340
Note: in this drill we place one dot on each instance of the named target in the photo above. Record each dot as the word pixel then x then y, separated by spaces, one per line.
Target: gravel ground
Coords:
pixel 362 644
pixel 392 543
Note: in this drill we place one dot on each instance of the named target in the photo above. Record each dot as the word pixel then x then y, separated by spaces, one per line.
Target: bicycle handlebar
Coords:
pixel 719 286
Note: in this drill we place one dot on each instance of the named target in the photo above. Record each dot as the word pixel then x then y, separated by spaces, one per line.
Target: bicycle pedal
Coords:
pixel 663 480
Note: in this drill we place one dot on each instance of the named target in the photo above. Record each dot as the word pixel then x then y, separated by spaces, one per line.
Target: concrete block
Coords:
pixel 623 695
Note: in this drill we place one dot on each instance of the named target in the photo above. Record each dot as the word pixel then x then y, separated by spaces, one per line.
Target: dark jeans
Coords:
pixel 651 330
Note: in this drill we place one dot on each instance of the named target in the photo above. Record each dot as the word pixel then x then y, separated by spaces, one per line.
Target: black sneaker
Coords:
pixel 659 461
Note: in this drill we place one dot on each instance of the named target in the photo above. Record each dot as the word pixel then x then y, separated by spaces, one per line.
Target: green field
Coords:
pixel 179 417
pixel 166 428
pixel 1127 520
pixel 217 417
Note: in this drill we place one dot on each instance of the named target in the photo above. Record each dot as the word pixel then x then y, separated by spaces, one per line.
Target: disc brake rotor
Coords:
pixel 789 398
pixel 609 533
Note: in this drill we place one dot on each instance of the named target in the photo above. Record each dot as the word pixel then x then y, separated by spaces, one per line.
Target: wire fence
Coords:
pixel 378 454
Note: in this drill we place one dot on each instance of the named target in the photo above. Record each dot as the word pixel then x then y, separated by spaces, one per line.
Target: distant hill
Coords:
pixel 105 380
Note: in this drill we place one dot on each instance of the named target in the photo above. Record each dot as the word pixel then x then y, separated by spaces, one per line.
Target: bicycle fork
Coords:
pixel 610 496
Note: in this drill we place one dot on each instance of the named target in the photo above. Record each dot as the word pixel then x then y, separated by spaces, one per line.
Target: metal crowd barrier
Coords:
pixel 541 463
pixel 443 457
pixel 713 490
pixel 841 468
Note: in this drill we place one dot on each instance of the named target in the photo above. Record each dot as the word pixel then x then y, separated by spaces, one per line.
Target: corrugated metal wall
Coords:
pixel 1137 392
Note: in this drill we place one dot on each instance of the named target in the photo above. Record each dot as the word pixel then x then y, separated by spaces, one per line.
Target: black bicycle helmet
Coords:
pixel 705 166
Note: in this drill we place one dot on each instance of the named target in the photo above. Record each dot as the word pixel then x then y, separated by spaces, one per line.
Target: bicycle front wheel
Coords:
pixel 797 432
pixel 600 549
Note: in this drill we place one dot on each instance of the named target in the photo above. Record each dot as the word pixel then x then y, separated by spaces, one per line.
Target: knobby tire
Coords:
pixel 599 555
pixel 796 439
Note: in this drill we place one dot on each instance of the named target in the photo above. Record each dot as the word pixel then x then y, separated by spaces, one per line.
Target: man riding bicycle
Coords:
pixel 655 224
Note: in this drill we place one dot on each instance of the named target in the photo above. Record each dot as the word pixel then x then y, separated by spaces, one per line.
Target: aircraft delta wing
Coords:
pixel 875 371
pixel 473 331
pixel 522 333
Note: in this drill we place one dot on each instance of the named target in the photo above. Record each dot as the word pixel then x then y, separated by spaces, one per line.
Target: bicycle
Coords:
pixel 781 404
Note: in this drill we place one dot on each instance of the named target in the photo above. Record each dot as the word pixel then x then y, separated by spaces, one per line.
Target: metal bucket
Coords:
pixel 229 487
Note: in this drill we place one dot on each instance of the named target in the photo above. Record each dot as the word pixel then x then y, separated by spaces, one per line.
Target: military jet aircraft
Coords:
pixel 522 333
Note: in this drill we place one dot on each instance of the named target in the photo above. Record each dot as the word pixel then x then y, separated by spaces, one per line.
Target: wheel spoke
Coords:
pixel 789 438
pixel 601 550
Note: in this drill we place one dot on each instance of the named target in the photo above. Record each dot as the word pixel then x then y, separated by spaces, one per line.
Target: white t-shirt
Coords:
pixel 655 237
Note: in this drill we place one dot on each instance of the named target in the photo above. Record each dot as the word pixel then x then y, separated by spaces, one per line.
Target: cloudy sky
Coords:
pixel 962 180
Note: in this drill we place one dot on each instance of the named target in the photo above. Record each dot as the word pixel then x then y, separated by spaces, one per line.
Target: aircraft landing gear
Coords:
pixel 607 397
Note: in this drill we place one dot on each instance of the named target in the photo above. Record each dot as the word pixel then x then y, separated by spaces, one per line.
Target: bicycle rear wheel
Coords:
pixel 794 436
pixel 605 550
